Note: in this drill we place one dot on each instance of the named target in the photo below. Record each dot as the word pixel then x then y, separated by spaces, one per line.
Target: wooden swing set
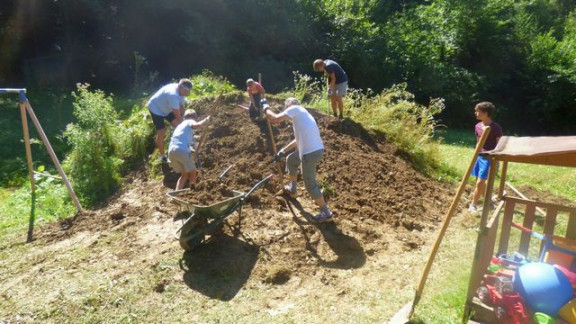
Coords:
pixel 25 111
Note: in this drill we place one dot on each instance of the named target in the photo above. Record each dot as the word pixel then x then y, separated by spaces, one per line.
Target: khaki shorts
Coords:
pixel 181 161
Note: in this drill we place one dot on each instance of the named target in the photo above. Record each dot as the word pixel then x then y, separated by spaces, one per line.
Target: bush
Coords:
pixel 92 165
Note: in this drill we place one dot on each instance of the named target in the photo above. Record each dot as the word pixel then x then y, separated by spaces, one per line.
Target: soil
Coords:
pixel 380 203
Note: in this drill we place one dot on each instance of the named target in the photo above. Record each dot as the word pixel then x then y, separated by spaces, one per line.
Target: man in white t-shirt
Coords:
pixel 168 104
pixel 308 152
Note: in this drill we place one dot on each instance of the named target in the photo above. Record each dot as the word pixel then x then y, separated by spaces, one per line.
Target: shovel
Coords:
pixel 406 312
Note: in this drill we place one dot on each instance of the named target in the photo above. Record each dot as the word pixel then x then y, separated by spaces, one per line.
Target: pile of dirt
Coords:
pixel 380 202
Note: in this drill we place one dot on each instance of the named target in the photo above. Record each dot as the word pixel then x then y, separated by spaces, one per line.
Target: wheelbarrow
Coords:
pixel 205 220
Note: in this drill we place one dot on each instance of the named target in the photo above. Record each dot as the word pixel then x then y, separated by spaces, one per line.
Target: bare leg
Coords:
pixel 479 190
pixel 182 181
pixel 334 103
pixel 340 104
pixel 160 140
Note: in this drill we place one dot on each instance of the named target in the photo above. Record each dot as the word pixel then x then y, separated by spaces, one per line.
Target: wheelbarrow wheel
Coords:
pixel 192 234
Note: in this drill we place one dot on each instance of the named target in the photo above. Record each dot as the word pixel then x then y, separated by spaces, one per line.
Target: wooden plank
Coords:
pixel 528 223
pixel 550 221
pixel 561 208
pixel 53 156
pixel 502 180
pixel 30 235
pixel 484 246
pixel 571 229
pixel 549 224
pixel 506 225
pixel 542 212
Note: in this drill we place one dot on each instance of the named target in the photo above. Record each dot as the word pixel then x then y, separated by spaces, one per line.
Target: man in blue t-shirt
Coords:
pixel 338 83
pixel 168 104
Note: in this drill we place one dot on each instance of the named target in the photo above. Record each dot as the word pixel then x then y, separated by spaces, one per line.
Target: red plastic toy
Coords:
pixel 497 290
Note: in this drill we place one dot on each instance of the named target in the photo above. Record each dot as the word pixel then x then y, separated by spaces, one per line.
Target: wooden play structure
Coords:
pixel 546 151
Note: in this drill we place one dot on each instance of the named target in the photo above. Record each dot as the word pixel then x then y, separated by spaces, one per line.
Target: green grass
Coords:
pixel 458 147
pixel 52 202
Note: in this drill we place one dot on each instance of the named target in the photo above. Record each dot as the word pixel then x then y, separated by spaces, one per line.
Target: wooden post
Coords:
pixel 53 156
pixel 30 170
pixel 446 222
pixel 502 180
pixel 483 243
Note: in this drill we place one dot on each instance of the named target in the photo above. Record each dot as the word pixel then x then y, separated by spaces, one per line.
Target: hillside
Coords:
pixel 123 258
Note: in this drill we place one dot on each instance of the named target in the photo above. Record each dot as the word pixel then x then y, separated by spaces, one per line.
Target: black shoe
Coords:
pixel 341 117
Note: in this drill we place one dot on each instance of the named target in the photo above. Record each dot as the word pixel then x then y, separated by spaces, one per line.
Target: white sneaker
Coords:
pixel 473 208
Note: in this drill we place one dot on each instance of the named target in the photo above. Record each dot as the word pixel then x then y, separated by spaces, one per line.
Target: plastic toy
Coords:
pixel 544 288
pixel 541 318
pixel 568 312
pixel 497 290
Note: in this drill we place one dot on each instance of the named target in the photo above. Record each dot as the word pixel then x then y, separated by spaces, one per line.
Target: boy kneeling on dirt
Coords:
pixel 309 150
pixel 179 151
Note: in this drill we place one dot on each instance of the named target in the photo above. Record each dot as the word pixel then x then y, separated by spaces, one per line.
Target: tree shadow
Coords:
pixel 219 268
pixel 349 252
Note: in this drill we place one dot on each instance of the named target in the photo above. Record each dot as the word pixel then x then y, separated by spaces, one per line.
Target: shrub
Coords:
pixel 408 124
pixel 93 168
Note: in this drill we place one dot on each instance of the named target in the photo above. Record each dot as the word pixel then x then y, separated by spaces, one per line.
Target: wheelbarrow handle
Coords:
pixel 258 185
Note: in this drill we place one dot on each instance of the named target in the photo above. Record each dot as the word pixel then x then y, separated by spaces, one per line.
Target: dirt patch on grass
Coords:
pixel 381 205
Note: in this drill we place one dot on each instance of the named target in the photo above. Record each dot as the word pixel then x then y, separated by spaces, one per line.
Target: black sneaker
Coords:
pixel 164 159
pixel 341 117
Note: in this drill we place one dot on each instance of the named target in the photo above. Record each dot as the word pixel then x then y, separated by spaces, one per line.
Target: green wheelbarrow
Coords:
pixel 205 220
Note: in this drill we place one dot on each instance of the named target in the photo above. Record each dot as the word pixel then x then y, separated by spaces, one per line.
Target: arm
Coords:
pixel 275 118
pixel 200 123
pixel 332 77
pixel 178 114
pixel 290 146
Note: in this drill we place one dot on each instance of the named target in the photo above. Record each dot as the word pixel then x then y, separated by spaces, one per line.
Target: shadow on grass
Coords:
pixel 219 268
pixel 350 253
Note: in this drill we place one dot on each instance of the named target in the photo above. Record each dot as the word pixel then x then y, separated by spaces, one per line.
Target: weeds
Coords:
pixel 394 111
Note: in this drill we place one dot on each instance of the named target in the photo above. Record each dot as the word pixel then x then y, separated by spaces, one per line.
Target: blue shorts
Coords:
pixel 481 168
pixel 159 120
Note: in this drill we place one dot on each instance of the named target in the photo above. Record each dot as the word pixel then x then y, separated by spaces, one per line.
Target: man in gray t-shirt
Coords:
pixel 168 104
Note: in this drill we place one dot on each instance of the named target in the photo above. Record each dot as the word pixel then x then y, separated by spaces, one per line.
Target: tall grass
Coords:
pixel 104 147
pixel 394 111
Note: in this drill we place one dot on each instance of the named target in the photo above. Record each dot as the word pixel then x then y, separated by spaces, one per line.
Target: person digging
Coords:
pixel 179 151
pixel 308 151
pixel 168 104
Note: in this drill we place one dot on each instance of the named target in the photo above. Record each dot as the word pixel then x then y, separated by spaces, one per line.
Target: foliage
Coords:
pixel 408 124
pixel 208 84
pixel 517 53
pixel 94 170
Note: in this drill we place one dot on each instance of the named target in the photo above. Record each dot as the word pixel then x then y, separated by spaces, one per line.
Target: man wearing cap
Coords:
pixel 308 151
pixel 168 104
